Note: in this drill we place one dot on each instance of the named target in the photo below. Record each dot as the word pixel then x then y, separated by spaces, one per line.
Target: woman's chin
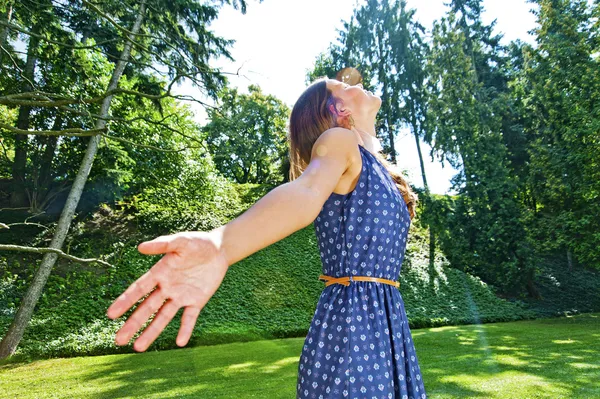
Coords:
pixel 378 102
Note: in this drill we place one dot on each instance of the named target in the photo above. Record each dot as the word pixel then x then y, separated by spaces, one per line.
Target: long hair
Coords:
pixel 311 117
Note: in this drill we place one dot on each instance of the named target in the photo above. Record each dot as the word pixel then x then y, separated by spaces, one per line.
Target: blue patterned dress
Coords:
pixel 359 344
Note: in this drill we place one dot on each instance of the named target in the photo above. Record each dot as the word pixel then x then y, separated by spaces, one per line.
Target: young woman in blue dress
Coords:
pixel 327 123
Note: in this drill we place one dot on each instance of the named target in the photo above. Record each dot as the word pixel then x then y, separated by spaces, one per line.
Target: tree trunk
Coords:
pixel 17 328
pixel 4 34
pixel 18 197
pixel 386 97
pixel 44 175
pixel 570 260
pixel 415 129
pixel 531 288
pixel 431 253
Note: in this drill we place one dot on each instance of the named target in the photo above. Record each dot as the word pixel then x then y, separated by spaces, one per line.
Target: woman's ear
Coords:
pixel 341 117
pixel 344 112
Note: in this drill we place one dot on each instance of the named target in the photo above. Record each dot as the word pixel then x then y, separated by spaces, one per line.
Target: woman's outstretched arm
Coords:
pixel 195 262
pixel 290 206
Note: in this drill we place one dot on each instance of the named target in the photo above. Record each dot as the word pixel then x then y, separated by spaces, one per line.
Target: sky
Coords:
pixel 277 41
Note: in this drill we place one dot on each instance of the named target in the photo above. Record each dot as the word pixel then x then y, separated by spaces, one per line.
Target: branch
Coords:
pixel 147 145
pixel 98 45
pixel 77 132
pixel 115 23
pixel 127 121
pixel 137 118
pixel 41 37
pixel 8 247
pixel 7 226
pixel 43 99
pixel 5 152
pixel 16 66
pixel 128 35
pixel 32 216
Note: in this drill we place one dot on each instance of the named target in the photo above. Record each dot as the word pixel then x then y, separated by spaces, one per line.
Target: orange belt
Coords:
pixel 346 280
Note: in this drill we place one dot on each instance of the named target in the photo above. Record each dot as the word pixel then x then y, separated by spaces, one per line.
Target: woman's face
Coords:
pixel 354 98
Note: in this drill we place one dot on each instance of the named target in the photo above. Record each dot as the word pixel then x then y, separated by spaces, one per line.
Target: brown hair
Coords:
pixel 311 117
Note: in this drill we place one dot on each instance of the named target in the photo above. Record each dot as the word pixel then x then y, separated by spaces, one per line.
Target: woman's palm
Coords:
pixel 187 276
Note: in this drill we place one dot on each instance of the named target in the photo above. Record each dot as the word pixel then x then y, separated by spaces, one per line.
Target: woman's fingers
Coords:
pixel 132 294
pixel 164 316
pixel 140 316
pixel 188 322
pixel 159 245
pixel 180 277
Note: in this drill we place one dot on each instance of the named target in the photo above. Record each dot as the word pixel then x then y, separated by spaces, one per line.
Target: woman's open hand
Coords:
pixel 188 275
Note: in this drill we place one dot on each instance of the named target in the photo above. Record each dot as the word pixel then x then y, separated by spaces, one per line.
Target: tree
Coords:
pixel 150 33
pixel 467 91
pixel 246 136
pixel 386 43
pixel 562 95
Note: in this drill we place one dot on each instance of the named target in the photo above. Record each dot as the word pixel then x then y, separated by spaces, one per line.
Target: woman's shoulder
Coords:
pixel 338 135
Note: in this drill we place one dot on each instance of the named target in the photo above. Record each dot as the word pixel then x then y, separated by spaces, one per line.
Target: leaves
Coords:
pixel 247 136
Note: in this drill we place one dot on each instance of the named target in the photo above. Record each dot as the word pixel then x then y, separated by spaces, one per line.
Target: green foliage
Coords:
pixel 7 116
pixel 198 199
pixel 562 76
pixel 270 294
pixel 247 136
pixel 385 43
pixel 467 92
pixel 437 294
pixel 70 55
pixel 564 290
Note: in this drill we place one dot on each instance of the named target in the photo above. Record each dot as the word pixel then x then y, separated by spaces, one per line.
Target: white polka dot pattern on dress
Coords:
pixel 359 344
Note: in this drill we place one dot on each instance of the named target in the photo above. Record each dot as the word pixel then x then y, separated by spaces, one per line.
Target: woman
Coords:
pixel 359 343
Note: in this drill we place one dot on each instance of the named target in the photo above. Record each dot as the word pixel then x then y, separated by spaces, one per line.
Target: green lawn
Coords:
pixel 546 358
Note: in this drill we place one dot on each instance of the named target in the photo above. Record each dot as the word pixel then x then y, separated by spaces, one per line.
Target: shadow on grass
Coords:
pixel 546 358
pixel 240 370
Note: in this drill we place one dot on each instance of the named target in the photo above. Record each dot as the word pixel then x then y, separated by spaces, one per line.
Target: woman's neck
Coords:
pixel 368 139
pixel 368 128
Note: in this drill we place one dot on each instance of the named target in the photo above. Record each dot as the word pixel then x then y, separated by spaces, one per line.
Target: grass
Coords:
pixel 544 358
